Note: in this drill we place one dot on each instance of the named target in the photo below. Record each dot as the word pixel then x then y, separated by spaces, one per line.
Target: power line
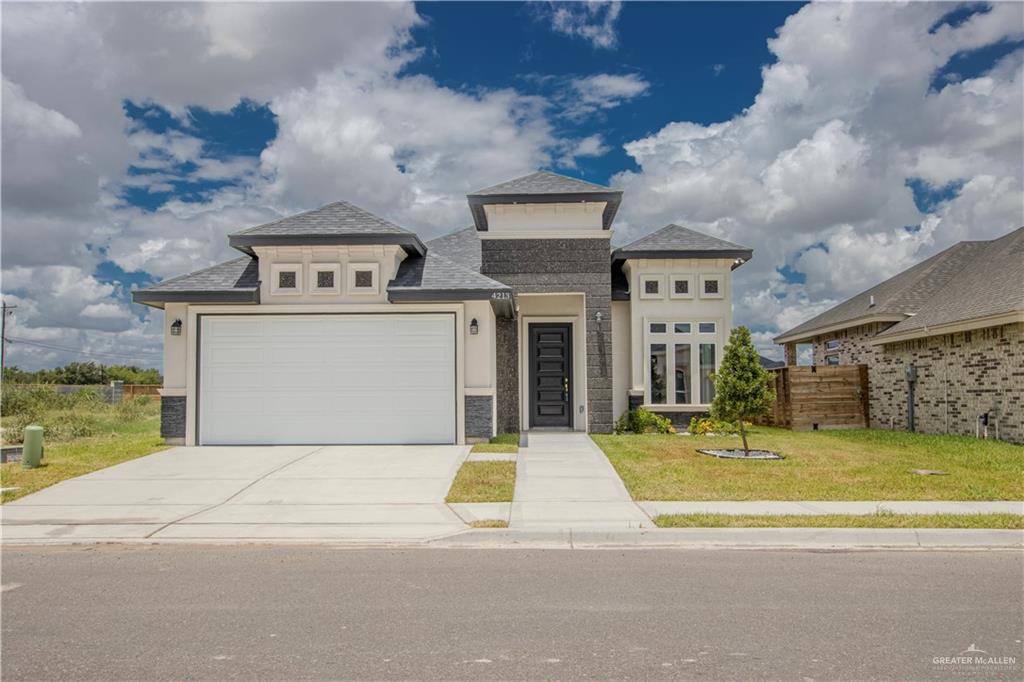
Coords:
pixel 79 351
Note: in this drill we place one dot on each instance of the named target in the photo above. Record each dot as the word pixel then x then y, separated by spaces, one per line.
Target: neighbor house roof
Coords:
pixel 236 281
pixel 336 223
pixel 989 286
pixel 895 298
pixel 676 241
pixel 543 187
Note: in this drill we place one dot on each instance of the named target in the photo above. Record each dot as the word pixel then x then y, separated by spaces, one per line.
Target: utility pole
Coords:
pixel 4 308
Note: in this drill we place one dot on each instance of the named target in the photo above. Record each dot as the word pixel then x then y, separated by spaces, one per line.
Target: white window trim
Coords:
pixel 672 286
pixel 670 338
pixel 721 286
pixel 353 268
pixel 660 279
pixel 315 269
pixel 276 269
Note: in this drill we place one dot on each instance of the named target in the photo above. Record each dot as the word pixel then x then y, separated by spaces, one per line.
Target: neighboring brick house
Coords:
pixel 337 326
pixel 943 340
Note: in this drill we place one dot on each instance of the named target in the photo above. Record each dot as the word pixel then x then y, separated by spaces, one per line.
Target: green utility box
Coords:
pixel 32 447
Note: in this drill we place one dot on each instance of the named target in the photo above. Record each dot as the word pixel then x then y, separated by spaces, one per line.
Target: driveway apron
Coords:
pixel 251 492
pixel 564 481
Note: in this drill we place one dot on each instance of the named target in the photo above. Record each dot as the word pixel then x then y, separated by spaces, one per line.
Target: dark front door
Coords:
pixel 550 375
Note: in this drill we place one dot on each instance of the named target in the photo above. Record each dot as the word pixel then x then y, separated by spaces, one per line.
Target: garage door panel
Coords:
pixel 283 379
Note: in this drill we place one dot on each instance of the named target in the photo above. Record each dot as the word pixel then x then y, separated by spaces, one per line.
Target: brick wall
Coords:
pixel 553 266
pixel 959 376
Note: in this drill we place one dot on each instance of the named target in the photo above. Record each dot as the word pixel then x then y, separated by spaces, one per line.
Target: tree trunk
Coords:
pixel 743 434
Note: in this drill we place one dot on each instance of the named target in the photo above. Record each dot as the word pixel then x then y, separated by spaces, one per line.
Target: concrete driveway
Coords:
pixel 246 492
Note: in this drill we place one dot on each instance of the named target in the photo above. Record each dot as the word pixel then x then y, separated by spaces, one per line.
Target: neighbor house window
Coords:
pixel 710 287
pixel 285 279
pixel 325 278
pixel 706 327
pixel 363 278
pixel 683 367
pixel 832 344
pixel 682 286
pixel 650 286
pixel 707 368
pixel 831 359
pixel 659 374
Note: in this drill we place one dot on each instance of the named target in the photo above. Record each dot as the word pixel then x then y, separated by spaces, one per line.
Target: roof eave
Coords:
pixel 410 242
pixel 741 256
pixel 502 300
pixel 611 199
pixel 949 327
pixel 806 335
pixel 152 298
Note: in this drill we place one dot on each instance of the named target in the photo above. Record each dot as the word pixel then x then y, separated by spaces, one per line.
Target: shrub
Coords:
pixel 642 420
pixel 35 399
pixel 701 426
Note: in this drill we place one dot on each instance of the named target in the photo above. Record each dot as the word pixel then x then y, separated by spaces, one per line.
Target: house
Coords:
pixel 337 326
pixel 943 341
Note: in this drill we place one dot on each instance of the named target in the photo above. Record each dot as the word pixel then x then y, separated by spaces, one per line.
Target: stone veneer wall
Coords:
pixel 532 266
pixel 959 376
pixel 172 418
pixel 478 416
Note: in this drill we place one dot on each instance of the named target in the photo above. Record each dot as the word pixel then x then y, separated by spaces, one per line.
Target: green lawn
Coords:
pixel 483 482
pixel 819 465
pixel 503 442
pixel 117 436
pixel 1006 521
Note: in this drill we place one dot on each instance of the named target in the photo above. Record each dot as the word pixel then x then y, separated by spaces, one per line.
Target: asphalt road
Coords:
pixel 276 613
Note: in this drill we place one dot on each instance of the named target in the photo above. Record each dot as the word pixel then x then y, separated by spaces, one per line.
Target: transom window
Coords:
pixel 706 327
pixel 658 327
pixel 832 344
pixel 682 327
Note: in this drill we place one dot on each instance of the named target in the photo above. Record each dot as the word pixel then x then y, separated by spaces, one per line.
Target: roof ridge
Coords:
pixel 338 202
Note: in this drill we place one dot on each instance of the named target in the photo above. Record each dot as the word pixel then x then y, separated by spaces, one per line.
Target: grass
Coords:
pixel 489 523
pixel 117 434
pixel 503 442
pixel 880 520
pixel 483 482
pixel 820 465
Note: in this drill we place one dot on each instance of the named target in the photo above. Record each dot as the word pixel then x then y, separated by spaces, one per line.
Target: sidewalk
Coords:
pixel 563 480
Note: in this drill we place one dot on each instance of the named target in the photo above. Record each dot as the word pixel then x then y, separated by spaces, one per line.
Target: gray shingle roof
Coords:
pixel 542 182
pixel 434 277
pixel 461 247
pixel 543 187
pixel 676 241
pixel 236 281
pixel 991 282
pixel 336 223
pixel 896 297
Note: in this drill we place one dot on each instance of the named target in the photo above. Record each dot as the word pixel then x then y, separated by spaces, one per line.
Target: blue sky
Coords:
pixel 842 142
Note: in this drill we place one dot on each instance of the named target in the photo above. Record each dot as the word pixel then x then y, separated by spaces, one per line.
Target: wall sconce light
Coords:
pixel 474 327
pixel 599 316
pixel 176 328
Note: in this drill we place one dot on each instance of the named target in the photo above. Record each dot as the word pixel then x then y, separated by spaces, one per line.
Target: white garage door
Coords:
pixel 310 379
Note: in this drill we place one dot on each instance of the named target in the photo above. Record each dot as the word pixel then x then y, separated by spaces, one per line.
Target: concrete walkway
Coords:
pixel 564 481
pixel 761 508
pixel 250 493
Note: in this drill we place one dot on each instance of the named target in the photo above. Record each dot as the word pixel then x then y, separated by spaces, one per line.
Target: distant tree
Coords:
pixel 741 384
pixel 82 373
pixel 130 374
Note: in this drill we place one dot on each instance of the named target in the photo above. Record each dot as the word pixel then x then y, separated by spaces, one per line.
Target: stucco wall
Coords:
pixel 175 347
pixel 559 266
pixel 386 257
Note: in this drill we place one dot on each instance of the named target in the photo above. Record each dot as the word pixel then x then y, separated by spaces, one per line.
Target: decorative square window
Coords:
pixel 682 327
pixel 706 327
pixel 285 279
pixel 682 286
pixel 658 327
pixel 650 286
pixel 325 278
pixel 363 278
pixel 710 286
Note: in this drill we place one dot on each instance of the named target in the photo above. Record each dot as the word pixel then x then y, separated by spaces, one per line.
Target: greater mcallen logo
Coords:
pixel 974 658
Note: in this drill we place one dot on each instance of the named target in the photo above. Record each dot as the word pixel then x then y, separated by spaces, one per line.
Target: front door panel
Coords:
pixel 550 375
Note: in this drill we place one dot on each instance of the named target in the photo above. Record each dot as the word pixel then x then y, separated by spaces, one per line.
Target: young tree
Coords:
pixel 741 385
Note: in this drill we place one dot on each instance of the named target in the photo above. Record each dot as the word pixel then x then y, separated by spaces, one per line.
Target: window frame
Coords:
pixel 670 338
pixel 373 268
pixel 830 358
pixel 721 286
pixel 314 271
pixel 275 277
pixel 660 279
pixel 681 278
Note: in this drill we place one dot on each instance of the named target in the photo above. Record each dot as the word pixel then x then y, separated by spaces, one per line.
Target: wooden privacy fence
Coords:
pixel 812 398
pixel 130 391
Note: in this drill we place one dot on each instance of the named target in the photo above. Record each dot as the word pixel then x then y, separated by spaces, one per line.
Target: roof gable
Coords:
pixel 543 187
pixel 542 182
pixel 676 241
pixel 336 223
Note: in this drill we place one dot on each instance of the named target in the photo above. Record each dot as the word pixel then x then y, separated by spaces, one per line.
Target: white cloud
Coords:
pixel 593 20
pixel 602 91
pixel 813 174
